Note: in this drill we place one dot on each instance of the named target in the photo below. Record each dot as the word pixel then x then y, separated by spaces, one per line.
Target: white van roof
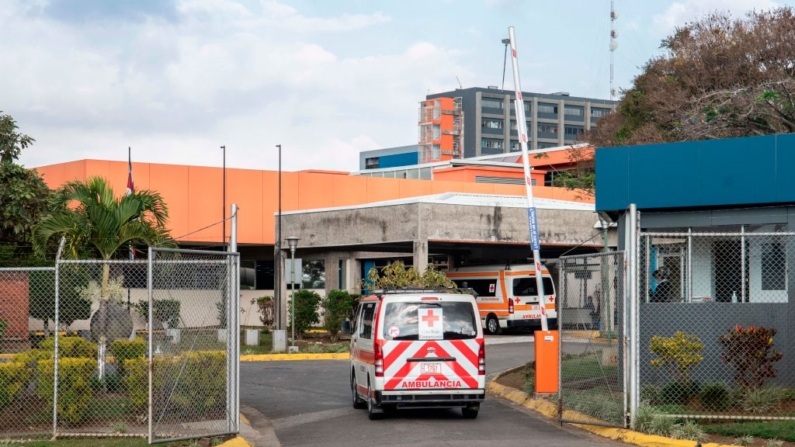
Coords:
pixel 495 267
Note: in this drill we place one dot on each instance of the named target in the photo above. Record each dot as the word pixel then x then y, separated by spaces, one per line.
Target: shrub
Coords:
pixel 762 400
pixel 355 298
pixel 689 430
pixel 715 396
pixel 3 327
pixel 14 377
pixel 74 386
pixel 306 304
pixel 651 394
pixel 70 347
pixel 200 389
pixel 677 354
pixel 165 311
pixel 336 306
pixel 265 304
pixel 31 357
pixel 643 417
pixel 750 350
pixel 678 393
pixel 396 276
pixel 127 349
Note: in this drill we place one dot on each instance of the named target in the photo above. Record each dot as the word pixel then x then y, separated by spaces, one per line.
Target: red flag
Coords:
pixel 130 184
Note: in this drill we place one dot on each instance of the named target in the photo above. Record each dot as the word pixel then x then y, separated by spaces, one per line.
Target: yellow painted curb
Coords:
pixel 6 356
pixel 237 441
pixel 281 357
pixel 550 410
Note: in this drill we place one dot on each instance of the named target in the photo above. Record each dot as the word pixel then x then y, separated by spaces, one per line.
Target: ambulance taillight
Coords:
pixel 379 360
pixel 482 359
pixel 510 305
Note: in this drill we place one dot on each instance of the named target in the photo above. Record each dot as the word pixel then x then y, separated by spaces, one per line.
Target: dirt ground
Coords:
pixel 516 380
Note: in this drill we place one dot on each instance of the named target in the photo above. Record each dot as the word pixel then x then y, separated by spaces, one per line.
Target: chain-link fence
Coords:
pixel 194 382
pixel 716 324
pixel 27 301
pixel 76 347
pixel 591 318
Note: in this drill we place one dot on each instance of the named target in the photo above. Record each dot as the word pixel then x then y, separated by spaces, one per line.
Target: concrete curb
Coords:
pixel 237 441
pixel 550 410
pixel 280 357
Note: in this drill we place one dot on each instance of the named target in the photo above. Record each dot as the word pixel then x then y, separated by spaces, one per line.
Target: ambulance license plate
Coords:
pixel 430 367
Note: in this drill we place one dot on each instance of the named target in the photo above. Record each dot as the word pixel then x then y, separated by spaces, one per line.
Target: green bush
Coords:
pixel 678 393
pixel 31 357
pixel 306 306
pixel 201 389
pixel 715 396
pixel 677 354
pixel 265 304
pixel 750 350
pixel 71 347
pixel 762 400
pixel 127 349
pixel 689 430
pixel 14 377
pixel 74 386
pixel 336 307
pixel 651 394
pixel 165 311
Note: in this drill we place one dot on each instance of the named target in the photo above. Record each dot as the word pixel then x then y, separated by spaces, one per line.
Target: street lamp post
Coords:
pixel 223 189
pixel 292 241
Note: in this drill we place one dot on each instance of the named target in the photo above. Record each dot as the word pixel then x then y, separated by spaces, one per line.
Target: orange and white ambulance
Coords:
pixel 507 296
pixel 418 350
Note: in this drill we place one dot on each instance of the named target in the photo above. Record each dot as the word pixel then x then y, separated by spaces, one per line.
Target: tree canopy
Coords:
pixel 11 142
pixel 718 77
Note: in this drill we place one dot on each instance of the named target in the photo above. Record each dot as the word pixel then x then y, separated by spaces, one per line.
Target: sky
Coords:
pixel 176 79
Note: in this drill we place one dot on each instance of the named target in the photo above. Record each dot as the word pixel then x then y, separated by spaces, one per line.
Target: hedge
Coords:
pixel 124 350
pixel 200 389
pixel 14 377
pixel 71 347
pixel 74 386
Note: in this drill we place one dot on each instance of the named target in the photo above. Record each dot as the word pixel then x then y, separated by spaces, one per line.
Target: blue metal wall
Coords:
pixel 397 160
pixel 736 171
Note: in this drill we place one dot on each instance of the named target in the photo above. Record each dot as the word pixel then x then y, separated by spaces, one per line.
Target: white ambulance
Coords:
pixel 415 349
pixel 507 296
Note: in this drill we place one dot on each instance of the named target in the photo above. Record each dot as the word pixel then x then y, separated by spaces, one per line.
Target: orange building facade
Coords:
pixel 194 193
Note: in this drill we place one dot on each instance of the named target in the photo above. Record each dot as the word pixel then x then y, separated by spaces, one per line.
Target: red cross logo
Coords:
pixel 430 318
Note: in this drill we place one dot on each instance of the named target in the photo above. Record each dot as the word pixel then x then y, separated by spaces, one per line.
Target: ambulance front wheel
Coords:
pixel 470 412
pixel 492 325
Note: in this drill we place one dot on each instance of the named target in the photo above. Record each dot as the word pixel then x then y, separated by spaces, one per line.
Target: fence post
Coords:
pixel 55 353
pixel 634 304
pixel 234 354
pixel 149 327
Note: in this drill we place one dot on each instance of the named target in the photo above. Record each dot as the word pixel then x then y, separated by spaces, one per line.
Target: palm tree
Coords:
pixel 92 218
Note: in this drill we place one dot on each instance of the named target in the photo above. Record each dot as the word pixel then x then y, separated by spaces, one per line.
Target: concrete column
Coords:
pixel 332 263
pixel 561 122
pixel 533 130
pixel 355 273
pixel 421 255
pixel 587 115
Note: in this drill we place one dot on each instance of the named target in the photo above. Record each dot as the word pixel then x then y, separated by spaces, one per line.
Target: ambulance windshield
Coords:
pixel 444 320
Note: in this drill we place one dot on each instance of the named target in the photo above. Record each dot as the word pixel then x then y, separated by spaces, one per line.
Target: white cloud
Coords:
pixel 175 90
pixel 681 12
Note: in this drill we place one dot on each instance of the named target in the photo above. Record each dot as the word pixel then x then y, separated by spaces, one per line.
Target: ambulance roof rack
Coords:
pixel 464 290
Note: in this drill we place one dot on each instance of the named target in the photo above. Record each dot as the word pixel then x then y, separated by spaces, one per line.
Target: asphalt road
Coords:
pixel 307 403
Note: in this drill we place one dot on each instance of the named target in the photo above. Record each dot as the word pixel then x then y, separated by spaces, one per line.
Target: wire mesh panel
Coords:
pixel 194 309
pixel 98 391
pixel 27 314
pixel 717 331
pixel 591 309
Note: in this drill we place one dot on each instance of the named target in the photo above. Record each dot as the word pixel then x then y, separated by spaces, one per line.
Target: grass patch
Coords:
pixel 784 430
pixel 109 407
pixel 585 368
pixel 98 442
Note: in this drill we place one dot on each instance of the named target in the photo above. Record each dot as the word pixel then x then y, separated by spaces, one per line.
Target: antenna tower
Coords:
pixel 613 45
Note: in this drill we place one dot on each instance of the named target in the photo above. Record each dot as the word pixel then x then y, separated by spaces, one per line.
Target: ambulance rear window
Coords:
pixel 527 287
pixel 444 320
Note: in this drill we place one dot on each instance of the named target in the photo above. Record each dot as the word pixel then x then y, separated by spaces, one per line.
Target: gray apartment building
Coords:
pixel 489 123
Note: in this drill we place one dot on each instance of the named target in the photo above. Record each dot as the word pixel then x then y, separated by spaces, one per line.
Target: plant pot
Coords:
pixel 252 337
pixel 222 335
pixel 174 334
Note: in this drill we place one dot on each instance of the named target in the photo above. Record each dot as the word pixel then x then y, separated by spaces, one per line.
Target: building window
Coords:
pixel 436 152
pixel 491 123
pixel 547 108
pixel 547 128
pixel 545 145
pixel 371 163
pixel 437 132
pixel 527 107
pixel 492 103
pixel 515 146
pixel 437 109
pixel 574 111
pixel 598 113
pixel 514 127
pixel 574 131
pixel 774 271
pixel 490 143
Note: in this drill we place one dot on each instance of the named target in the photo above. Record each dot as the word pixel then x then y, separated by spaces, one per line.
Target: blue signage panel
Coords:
pixel 532 220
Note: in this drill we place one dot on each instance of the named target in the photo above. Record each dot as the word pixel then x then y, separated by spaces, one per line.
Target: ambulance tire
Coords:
pixel 470 412
pixel 358 402
pixel 371 414
pixel 493 325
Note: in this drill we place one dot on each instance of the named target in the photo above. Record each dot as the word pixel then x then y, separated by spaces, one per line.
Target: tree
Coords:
pixel 396 276
pixel 718 78
pixel 71 306
pixel 103 224
pixel 24 197
pixel 11 142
